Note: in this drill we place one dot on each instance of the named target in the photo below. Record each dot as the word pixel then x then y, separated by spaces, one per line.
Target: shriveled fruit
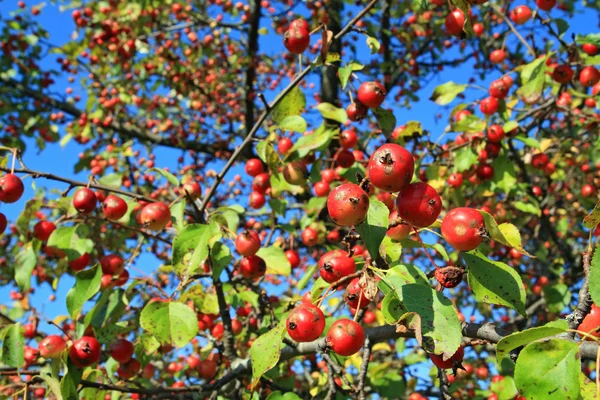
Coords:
pixel 247 243
pixel 11 188
pixel 449 276
pixel 391 167
pixel 336 264
pixel 348 204
pixel 371 94
pixel 305 323
pixel 252 267
pixel 464 228
pixel 155 216
pixel 85 352
pixel 345 337
pixel 419 204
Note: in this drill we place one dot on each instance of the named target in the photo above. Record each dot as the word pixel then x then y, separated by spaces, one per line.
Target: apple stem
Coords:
pixel 60 328
pixel 14 158
pixel 424 248
pixel 351 97
pixel 358 305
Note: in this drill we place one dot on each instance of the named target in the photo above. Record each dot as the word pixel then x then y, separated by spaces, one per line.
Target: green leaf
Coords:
pixel 385 119
pixel 470 123
pixel 87 284
pixel 265 351
pixel 113 180
pixel 49 373
pixel 528 208
pixel 13 344
pixel 533 75
pixel 390 250
pixel 464 159
pixel 25 262
pixel 531 142
pixel 373 44
pixel 373 229
pixel 31 207
pixel 391 308
pixel 228 217
pixel 277 262
pixel 190 247
pixel 279 206
pixel 518 339
pixel 592 38
pixel 509 126
pixel 307 277
pixel 329 111
pixel 556 373
pixel 561 25
pixel 593 218
pixel 494 282
pixel 280 185
pixel 505 233
pixel 220 257
pixel 206 303
pixel 317 289
pixel 504 174
pixel 345 72
pixel 90 393
pixel 268 155
pixel 320 138
pixel 587 387
pixel 440 327
pixel 411 244
pixel 108 333
pixel 169 322
pixel 168 176
pixel 292 104
pixel 177 214
pixel 70 380
pixel 446 93
pixel 557 297
pixel 505 388
pixel 294 123
pixel 283 396
pixel 594 277
pixel 71 240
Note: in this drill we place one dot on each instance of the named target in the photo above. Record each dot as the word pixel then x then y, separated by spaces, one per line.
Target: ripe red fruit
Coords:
pixel 588 76
pixel 3 223
pixel 588 191
pixel 129 369
pixel 253 267
pixel 80 263
pixel 121 350
pixel 84 201
pixel 495 134
pixel 112 264
pixel 247 243
pixel 355 296
pixel 591 323
pixel 310 237
pixel 489 105
pixel 539 161
pixel 463 228
pixel 498 89
pixel 497 56
pixel 419 204
pixel 348 204
pixel 546 5
pixel 400 231
pixel 29 331
pixel 296 40
pixel 348 139
pixel 520 14
pixel 43 229
pixel 562 74
pixel 155 216
pixel 356 111
pixel 295 173
pixel 114 208
pixel 11 188
pixel 371 94
pixel 284 145
pixel 236 327
pixel 122 278
pixel 482 372
pixel 336 264
pixel 478 29
pixel 455 180
pixel 454 22
pixel 52 346
pixel 207 369
pixel 485 171
pixel 293 258
pixel 590 49
pixel 261 182
pixel 321 189
pixel 254 166
pixel 453 361
pixel 85 352
pixel 299 23
pixel 391 167
pixel 345 337
pixel 192 189
pixel 256 200
pixel 305 323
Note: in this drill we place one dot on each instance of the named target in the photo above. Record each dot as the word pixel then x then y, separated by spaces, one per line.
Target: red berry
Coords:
pixel 155 216
pixel 498 89
pixel 261 183
pixel 207 369
pixel 400 231
pixel 591 323
pixel 455 180
pixel 192 189
pixel 356 111
pixel 310 237
pixel 497 56
pixel 348 139
pixel 84 201
pixel 562 74
pixel 345 337
pixel 463 228
pixel 489 105
pixel 539 160
pixel 114 208
pixel 3 223
pixel 321 189
pixel 252 267
pixel 495 134
pixel 247 243
pixel 588 191
pixel 590 49
pixel 293 258
pixel 11 188
pixel 348 204
pixel 419 204
pixel 588 76
pixel 256 200
pixel 80 263
pixel 546 5
pixel 520 14
pixel 112 264
pixel 85 352
pixel 305 323
pixel 296 40
pixel 355 296
pixel 454 22
pixel 485 171
pixel 254 166
pixel 129 369
pixel 391 167
pixel 336 264
pixel 371 94
pixel 453 361
pixel 121 350
pixel 43 229
pixel 284 145
pixel 345 158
